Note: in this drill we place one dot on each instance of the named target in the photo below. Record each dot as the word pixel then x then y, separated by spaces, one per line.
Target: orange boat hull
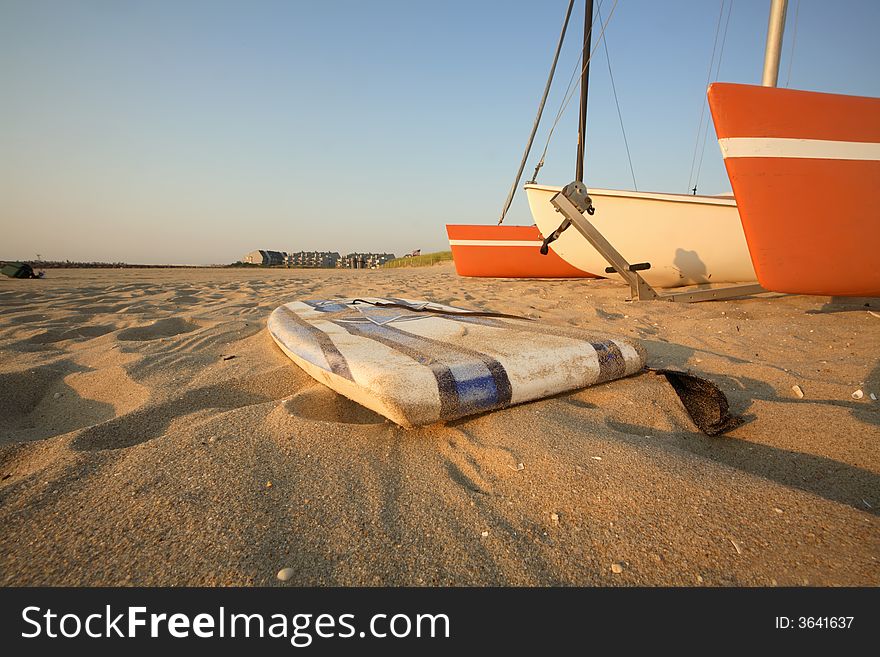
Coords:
pixel 505 252
pixel 805 172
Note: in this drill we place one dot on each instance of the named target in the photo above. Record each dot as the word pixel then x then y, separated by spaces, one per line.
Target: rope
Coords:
pixel 426 308
pixel 568 89
pixel 571 92
pixel 793 40
pixel 717 71
pixel 525 156
pixel 703 99
pixel 619 115
pixel 571 80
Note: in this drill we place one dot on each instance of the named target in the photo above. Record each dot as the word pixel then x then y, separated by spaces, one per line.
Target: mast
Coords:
pixel 585 78
pixel 773 50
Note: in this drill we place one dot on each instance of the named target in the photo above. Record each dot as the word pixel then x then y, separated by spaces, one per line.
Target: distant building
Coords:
pixel 264 257
pixel 364 260
pixel 313 259
pixel 317 259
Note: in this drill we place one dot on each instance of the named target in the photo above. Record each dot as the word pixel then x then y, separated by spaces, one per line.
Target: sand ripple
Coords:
pixel 144 413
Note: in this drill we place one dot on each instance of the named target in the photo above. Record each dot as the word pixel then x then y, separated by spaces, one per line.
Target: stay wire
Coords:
pixel 617 103
pixel 571 92
pixel 531 140
pixel 797 9
pixel 703 99
pixel 715 78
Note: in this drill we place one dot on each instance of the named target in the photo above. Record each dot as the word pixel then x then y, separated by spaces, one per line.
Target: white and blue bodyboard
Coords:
pixel 417 362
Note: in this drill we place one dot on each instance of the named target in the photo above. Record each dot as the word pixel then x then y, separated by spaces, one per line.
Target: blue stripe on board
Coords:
pixel 480 385
pixel 612 364
pixel 446 388
pixel 474 382
pixel 464 388
pixel 312 344
pixel 475 386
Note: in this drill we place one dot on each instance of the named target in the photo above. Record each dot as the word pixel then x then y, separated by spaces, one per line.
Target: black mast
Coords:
pixel 585 77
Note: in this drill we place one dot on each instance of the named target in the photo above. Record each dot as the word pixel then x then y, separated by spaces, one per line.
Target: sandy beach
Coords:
pixel 152 433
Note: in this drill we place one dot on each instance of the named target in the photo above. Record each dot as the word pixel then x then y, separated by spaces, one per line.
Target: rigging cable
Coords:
pixel 717 71
pixel 568 89
pixel 797 9
pixel 703 99
pixel 619 115
pixel 571 79
pixel 572 90
pixel 538 117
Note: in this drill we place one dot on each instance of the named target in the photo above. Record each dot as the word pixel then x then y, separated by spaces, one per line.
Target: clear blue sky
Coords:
pixel 195 131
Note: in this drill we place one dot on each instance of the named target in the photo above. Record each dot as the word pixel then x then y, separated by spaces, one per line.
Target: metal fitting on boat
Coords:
pixel 576 192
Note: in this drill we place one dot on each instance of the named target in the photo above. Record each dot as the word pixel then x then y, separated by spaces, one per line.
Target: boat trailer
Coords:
pixel 574 202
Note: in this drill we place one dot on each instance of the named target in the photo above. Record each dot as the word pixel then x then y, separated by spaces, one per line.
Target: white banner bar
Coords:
pixel 494 243
pixel 819 149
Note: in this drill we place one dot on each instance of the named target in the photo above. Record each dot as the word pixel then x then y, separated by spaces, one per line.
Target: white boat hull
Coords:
pixel 687 239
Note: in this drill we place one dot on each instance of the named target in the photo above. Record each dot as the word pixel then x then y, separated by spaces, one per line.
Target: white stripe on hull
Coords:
pixel 820 149
pixel 495 243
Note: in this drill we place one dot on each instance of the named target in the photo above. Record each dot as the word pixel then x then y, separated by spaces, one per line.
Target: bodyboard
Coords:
pixel 417 362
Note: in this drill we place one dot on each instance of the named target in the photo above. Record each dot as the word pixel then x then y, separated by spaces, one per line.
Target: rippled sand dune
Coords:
pixel 152 433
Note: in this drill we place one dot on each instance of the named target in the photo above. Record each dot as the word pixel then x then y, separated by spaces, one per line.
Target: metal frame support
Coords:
pixel 573 201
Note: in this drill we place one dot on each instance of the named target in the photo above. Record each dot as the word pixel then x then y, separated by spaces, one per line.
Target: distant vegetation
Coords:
pixel 420 260
pixel 72 264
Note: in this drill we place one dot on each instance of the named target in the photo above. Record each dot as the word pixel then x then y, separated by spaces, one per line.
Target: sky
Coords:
pixel 194 131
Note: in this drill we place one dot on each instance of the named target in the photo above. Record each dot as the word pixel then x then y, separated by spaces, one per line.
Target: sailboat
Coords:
pixel 686 239
pixel 505 252
pixel 780 147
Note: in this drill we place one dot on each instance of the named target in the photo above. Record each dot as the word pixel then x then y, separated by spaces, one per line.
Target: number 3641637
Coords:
pixel 814 622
